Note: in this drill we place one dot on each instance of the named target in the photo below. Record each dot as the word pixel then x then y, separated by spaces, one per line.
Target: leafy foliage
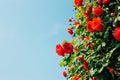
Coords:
pixel 94 43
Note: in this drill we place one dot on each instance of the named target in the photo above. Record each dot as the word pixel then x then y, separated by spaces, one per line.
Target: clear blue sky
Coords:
pixel 29 31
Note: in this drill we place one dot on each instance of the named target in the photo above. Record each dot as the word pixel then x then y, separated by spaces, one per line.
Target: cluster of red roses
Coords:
pixel 96 24
pixel 66 48
pixel 93 23
pixel 79 2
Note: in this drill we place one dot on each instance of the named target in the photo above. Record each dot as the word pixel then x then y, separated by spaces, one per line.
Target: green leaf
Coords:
pixel 101 69
pixel 109 54
pixel 62 63
pixel 99 47
pixel 77 31
pixel 106 34
pixel 75 41
pixel 93 71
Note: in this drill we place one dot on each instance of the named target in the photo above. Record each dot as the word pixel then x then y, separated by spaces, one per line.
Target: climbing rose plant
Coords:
pixel 94 52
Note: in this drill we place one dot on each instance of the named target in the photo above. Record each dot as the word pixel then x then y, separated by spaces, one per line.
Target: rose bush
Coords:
pixel 94 52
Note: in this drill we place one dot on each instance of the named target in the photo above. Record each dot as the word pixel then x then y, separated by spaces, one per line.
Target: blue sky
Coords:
pixel 29 31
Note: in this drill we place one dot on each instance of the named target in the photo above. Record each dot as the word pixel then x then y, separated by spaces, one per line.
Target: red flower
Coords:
pixel 98 11
pixel 64 74
pixel 89 9
pixel 87 38
pixel 70 31
pixel 116 33
pixel 70 20
pixel 68 48
pixel 87 13
pixel 105 2
pixel 76 23
pixel 79 58
pixel 76 78
pixel 85 66
pixel 91 44
pixel 59 50
pixel 78 2
pixel 97 24
pixel 89 26
pixel 82 56
pixel 87 45
pixel 111 70
pixel 88 18
pixel 82 38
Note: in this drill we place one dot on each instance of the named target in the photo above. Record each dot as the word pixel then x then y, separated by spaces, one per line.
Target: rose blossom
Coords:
pixel 111 70
pixel 64 73
pixel 70 31
pixel 78 2
pixel 105 2
pixel 98 11
pixel 76 78
pixel 59 50
pixel 68 48
pixel 116 33
pixel 97 24
pixel 89 26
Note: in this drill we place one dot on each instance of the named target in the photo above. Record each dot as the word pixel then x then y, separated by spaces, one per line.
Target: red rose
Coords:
pixel 87 45
pixel 76 78
pixel 64 74
pixel 88 17
pixel 85 66
pixel 59 50
pixel 98 11
pixel 89 26
pixel 89 9
pixel 105 1
pixel 87 38
pixel 82 38
pixel 97 24
pixel 76 23
pixel 91 44
pixel 70 20
pixel 70 31
pixel 68 48
pixel 79 58
pixel 111 70
pixel 78 2
pixel 116 33
pixel 87 13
